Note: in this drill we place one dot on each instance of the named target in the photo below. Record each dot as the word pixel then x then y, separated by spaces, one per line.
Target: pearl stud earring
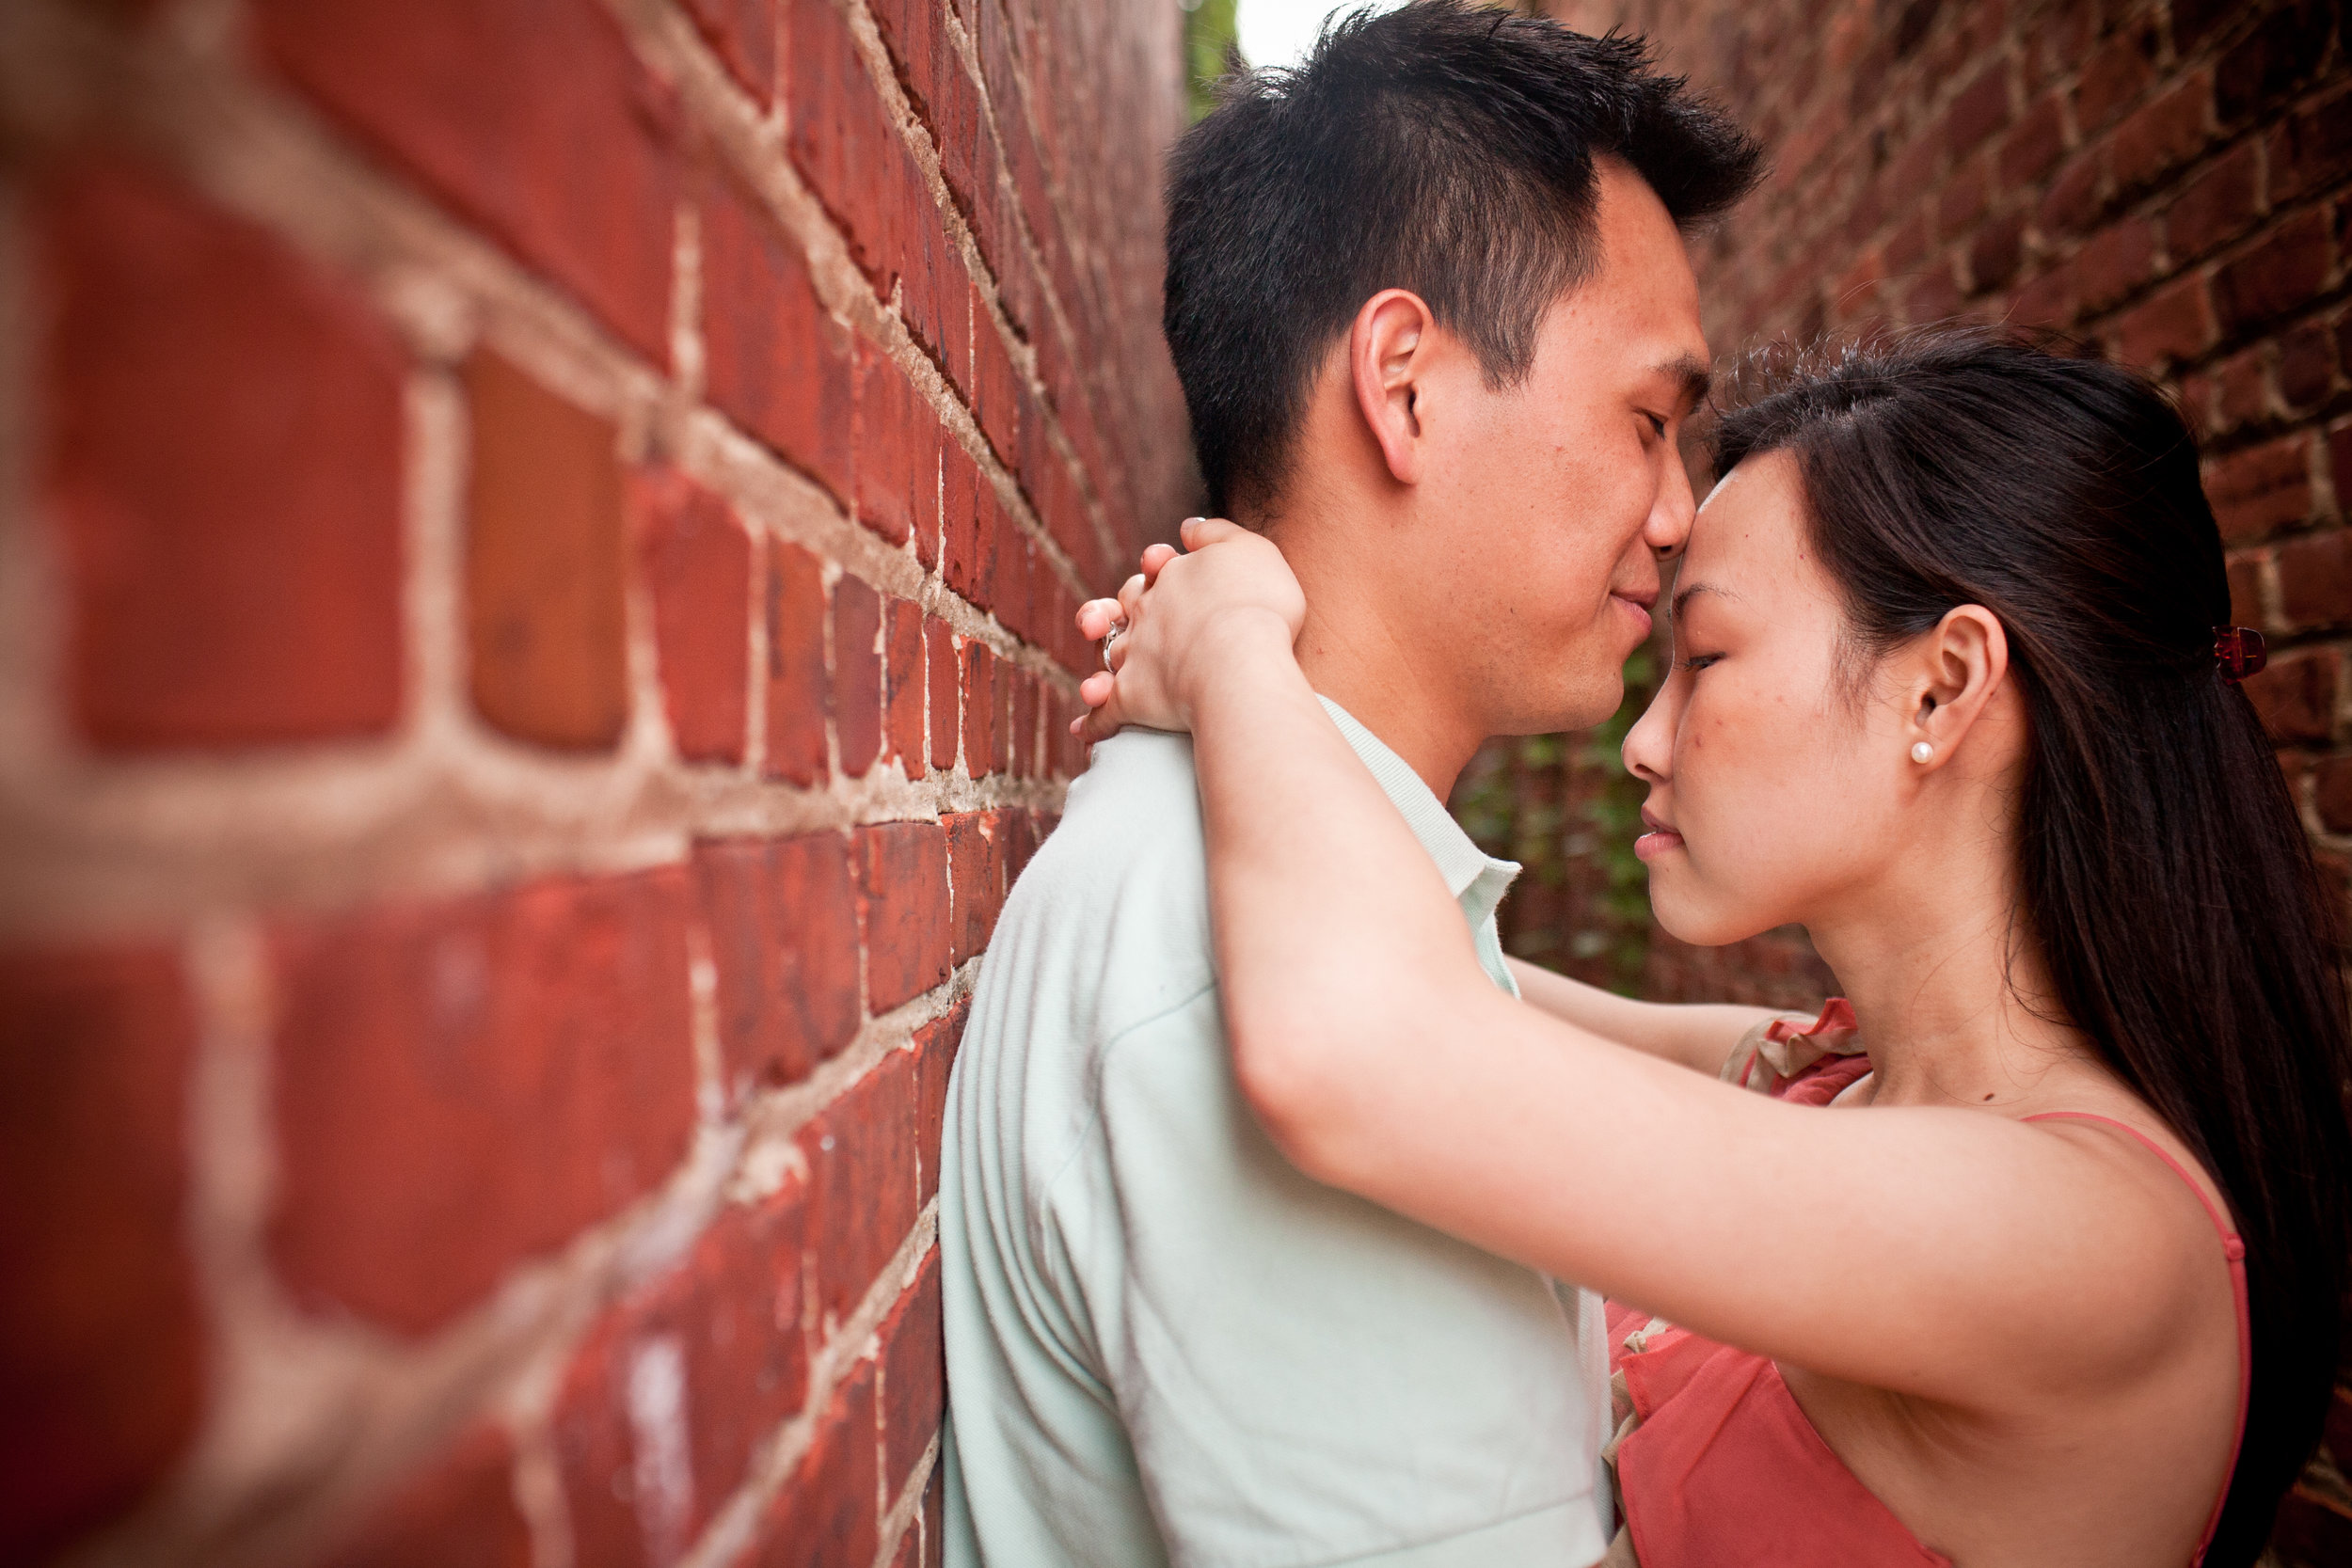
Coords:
pixel 1922 752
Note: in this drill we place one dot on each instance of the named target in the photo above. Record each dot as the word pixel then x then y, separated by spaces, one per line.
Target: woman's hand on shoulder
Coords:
pixel 1181 621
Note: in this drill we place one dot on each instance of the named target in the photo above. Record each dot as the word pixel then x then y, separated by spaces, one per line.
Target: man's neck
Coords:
pixel 1355 653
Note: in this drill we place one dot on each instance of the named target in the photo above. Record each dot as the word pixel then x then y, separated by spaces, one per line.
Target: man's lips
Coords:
pixel 1637 607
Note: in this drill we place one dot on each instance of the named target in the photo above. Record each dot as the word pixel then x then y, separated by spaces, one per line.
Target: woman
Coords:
pixel 1953 690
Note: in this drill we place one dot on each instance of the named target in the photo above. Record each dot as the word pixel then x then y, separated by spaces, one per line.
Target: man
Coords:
pixel 1430 306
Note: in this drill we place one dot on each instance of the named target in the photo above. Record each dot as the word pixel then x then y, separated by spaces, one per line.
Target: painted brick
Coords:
pixel 697 1365
pixel 783 921
pixel 2286 268
pixel 903 684
pixel 903 909
pixel 2315 580
pixel 223 459
pixel 913 1375
pixel 562 152
pixel 796 698
pixel 460 1086
pixel 545 606
pixel 103 1361
pixel 946 701
pixel 778 363
pixel 857 675
pixel 2261 489
pixel 697 561
pixel 981 705
pixel 459 1512
pixel 828 1514
pixel 860 1158
pixel 976 864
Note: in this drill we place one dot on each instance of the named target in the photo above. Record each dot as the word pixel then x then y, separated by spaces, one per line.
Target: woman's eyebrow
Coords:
pixel 1684 595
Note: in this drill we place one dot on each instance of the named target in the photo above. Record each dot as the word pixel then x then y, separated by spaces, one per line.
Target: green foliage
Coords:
pixel 1210 49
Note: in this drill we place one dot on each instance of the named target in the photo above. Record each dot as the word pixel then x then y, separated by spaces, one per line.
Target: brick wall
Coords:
pixel 537 547
pixel 2169 178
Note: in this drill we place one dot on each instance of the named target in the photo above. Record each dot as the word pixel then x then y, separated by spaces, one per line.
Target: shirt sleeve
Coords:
pixel 1308 1379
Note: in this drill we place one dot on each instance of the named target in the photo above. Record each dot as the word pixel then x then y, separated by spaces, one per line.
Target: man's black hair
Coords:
pixel 1443 147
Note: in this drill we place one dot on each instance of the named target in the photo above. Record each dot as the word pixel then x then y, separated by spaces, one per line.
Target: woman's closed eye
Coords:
pixel 1696 662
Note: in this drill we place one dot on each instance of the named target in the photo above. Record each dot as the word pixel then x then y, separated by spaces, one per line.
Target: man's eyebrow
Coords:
pixel 1693 375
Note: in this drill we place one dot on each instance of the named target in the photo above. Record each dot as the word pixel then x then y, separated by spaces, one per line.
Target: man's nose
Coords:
pixel 1669 525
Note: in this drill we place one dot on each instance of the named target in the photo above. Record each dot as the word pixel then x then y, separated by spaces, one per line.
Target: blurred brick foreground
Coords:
pixel 537 547
pixel 2170 178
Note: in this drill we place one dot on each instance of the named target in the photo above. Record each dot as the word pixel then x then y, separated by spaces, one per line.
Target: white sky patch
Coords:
pixel 1279 32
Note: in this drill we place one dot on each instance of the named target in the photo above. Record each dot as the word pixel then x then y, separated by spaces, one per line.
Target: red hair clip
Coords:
pixel 2239 651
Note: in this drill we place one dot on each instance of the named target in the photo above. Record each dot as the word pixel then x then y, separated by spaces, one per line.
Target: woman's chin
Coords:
pixel 1695 921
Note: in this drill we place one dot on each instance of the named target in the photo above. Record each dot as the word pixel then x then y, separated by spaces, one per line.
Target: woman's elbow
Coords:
pixel 1307 1075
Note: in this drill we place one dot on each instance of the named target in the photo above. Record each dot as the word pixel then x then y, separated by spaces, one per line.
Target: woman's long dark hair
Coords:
pixel 2164 876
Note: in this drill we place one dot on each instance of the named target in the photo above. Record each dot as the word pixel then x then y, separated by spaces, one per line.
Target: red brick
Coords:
pixel 796 665
pixel 2261 489
pixel 779 365
pixel 997 403
pixel 935 1046
pixel 544 553
pixel 532 117
pixel 102 1347
pixel 2164 134
pixel 857 675
pixel 940 677
pixel 1994 254
pixel 464 1085
pixel 2307 367
pixel 2114 76
pixel 888 443
pixel 2176 325
pixel 1024 727
pixel 2284 48
pixel 860 1158
pixel 2312 151
pixel 2075 197
pixel 975 862
pixel 2048 300
pixel 701 1363
pixel 458 1513
pixel 2214 209
pixel 905 685
pixel 2334 799
pixel 2037 141
pixel 935 1519
pixel 2297 695
pixel 936 301
pixel 980 703
pixel 902 907
pixel 913 1375
pixel 828 1514
pixel 2241 391
pixel 697 559
pixel 2245 573
pixel 782 916
pixel 1980 109
pixel 841 139
pixel 2113 263
pixel 224 460
pixel 2279 274
pixel 2310 1532
pixel 2315 580
pixel 967 501
pixel 743 35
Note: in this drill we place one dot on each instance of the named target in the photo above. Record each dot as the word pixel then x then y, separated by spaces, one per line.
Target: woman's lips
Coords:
pixel 1657 842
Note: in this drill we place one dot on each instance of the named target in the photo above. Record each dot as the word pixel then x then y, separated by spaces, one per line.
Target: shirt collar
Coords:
pixel 1476 879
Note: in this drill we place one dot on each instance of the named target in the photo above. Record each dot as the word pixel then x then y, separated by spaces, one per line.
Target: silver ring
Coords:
pixel 1117 628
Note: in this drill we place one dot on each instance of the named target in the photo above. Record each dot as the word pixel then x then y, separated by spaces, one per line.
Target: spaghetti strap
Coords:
pixel 2232 1248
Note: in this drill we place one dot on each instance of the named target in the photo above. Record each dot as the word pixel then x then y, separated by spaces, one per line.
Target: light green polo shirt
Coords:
pixel 1165 1345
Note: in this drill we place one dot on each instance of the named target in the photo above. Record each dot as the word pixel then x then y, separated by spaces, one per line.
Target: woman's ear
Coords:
pixel 1955 670
pixel 1388 354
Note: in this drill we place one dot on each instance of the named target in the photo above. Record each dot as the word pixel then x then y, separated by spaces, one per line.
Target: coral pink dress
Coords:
pixel 1716 1465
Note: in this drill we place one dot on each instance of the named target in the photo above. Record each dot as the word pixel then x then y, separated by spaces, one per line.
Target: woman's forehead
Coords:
pixel 1749 521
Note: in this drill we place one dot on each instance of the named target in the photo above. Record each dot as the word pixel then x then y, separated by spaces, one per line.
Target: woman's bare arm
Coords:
pixel 1698 1034
pixel 1949 1254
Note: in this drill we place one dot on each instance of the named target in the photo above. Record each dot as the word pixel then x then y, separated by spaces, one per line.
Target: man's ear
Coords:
pixel 1388 352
